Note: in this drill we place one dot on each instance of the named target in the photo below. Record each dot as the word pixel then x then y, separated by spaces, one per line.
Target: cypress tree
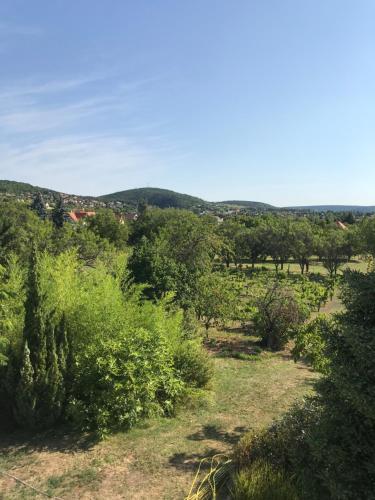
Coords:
pixel 38 206
pixel 34 326
pixel 40 391
pixel 51 388
pixel 25 397
pixel 58 214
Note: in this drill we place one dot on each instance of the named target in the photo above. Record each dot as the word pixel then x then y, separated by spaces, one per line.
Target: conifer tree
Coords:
pixel 38 206
pixel 34 322
pixel 40 391
pixel 58 214
pixel 25 398
pixel 51 387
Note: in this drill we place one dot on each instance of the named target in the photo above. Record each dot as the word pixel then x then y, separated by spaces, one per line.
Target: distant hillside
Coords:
pixel 336 208
pixel 18 188
pixel 162 198
pixel 247 204
pixel 165 198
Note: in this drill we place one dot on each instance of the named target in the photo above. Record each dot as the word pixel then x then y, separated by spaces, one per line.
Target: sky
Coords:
pixel 263 100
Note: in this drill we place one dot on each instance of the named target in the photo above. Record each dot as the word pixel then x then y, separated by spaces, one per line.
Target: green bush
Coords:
pixel 285 445
pixel 310 342
pixel 118 382
pixel 192 364
pixel 261 481
pixel 278 314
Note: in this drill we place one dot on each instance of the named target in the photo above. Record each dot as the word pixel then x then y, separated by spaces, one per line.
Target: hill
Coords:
pixel 163 198
pixel 18 188
pixel 258 205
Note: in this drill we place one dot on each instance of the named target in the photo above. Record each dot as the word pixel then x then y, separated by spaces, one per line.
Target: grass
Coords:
pixel 159 458
pixel 315 266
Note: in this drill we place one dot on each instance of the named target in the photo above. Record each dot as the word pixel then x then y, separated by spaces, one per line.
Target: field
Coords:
pixel 316 266
pixel 159 459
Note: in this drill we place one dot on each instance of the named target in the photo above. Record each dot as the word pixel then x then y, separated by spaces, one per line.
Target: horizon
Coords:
pixel 271 103
pixel 228 199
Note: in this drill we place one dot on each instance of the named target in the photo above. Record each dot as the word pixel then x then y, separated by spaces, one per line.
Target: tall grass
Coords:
pixel 261 481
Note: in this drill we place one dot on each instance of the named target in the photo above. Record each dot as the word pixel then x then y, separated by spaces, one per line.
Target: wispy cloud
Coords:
pixel 77 136
pixel 83 164
pixel 32 88
pixel 34 118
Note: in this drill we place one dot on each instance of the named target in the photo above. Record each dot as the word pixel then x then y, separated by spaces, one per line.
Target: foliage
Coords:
pixel 278 314
pixel 38 206
pixel 262 482
pixel 11 308
pixel 310 343
pixel 303 243
pixel 39 384
pixel 215 299
pixel 120 381
pixel 193 364
pixel 285 447
pixel 173 250
pixel 105 225
pixel 327 444
pixel 20 229
pixel 58 213
pixel 332 250
pixel 367 235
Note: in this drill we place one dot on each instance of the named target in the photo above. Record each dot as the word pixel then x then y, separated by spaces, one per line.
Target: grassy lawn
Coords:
pixel 158 460
pixel 356 264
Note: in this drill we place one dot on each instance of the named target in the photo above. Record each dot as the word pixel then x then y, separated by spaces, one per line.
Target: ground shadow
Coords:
pixel 213 432
pixel 225 346
pixel 191 461
pixel 62 440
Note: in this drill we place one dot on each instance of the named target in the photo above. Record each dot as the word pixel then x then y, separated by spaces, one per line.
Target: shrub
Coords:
pixel 261 481
pixel 193 365
pixel 278 313
pixel 310 343
pixel 118 382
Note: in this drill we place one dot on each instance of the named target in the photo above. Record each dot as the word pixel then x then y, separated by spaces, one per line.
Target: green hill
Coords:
pixel 163 198
pixel 257 205
pixel 18 188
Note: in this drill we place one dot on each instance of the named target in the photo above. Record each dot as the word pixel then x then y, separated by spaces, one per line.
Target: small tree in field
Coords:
pixel 278 314
pixel 215 299
pixel 332 250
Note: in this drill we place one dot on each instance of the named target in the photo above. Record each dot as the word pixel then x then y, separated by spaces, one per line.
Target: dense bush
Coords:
pixel 310 342
pixel 193 364
pixel 278 314
pixel 262 482
pixel 88 347
pixel 119 381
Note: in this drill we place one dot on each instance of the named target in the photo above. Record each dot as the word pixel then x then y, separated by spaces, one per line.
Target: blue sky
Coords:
pixel 263 100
